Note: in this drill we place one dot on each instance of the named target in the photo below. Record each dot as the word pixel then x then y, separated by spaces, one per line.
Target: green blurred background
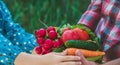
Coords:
pixel 51 12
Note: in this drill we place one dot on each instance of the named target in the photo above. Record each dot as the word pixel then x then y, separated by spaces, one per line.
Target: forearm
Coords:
pixel 26 59
pixel 92 15
pixel 114 62
pixel 21 59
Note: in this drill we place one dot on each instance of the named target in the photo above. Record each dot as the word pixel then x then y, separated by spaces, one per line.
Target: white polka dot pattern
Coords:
pixel 13 38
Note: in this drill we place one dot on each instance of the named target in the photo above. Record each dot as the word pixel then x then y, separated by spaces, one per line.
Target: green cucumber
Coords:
pixel 89 45
pixel 59 49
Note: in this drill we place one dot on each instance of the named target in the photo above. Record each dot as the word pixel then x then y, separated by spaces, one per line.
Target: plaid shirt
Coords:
pixel 103 17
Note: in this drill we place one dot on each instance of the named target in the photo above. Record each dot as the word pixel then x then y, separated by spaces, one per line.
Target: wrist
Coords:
pixel 92 63
pixel 86 27
pixel 29 59
pixel 19 59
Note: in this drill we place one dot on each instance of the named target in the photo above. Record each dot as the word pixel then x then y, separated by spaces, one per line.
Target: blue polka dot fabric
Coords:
pixel 13 38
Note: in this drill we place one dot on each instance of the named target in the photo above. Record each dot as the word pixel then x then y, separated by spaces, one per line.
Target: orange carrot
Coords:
pixel 86 53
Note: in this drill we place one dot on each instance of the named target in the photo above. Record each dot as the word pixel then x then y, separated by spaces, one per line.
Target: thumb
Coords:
pixel 78 53
pixel 83 59
pixel 64 53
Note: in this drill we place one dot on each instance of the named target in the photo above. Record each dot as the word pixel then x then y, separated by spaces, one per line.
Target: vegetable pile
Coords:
pixel 70 38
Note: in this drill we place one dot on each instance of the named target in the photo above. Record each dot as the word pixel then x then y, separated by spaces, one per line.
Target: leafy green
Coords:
pixel 94 58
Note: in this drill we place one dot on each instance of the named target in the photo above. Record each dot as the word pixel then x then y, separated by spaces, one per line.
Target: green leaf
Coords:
pixel 94 58
pixel 60 49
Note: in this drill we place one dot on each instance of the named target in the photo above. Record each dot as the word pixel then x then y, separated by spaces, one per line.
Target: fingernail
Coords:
pixel 80 63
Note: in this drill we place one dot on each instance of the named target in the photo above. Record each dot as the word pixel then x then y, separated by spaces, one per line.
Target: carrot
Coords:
pixel 86 53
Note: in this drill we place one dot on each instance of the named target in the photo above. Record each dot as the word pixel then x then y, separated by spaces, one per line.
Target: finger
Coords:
pixel 34 52
pixel 70 58
pixel 70 63
pixel 83 59
pixel 62 53
pixel 78 53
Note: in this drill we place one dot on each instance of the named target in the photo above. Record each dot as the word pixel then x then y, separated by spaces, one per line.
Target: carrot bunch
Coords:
pixel 86 53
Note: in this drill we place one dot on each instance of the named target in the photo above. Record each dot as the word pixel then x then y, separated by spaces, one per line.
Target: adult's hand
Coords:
pixel 47 59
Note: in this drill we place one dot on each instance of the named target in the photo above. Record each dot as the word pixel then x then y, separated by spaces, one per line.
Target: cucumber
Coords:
pixel 89 45
pixel 59 49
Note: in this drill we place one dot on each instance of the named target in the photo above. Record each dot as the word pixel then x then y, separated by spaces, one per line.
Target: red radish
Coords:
pixel 56 44
pixel 69 35
pixel 50 28
pixel 83 35
pixel 45 48
pixel 38 50
pixel 61 41
pixel 37 33
pixel 48 43
pixel 52 34
pixel 45 52
pixel 40 41
pixel 41 32
pixel 65 29
pixel 75 36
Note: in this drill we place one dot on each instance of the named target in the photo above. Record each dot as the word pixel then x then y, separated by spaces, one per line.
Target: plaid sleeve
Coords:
pixel 92 15
pixel 109 54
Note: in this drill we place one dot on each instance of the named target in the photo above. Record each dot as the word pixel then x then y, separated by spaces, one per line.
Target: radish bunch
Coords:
pixel 47 40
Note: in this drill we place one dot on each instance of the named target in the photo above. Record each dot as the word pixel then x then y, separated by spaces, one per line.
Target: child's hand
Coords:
pixel 83 60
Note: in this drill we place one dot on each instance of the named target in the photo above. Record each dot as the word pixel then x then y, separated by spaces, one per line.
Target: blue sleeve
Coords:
pixel 15 33
pixel 21 41
pixel 8 51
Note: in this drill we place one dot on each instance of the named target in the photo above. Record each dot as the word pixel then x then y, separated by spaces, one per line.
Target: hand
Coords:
pixel 84 61
pixel 33 51
pixel 60 59
pixel 48 59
